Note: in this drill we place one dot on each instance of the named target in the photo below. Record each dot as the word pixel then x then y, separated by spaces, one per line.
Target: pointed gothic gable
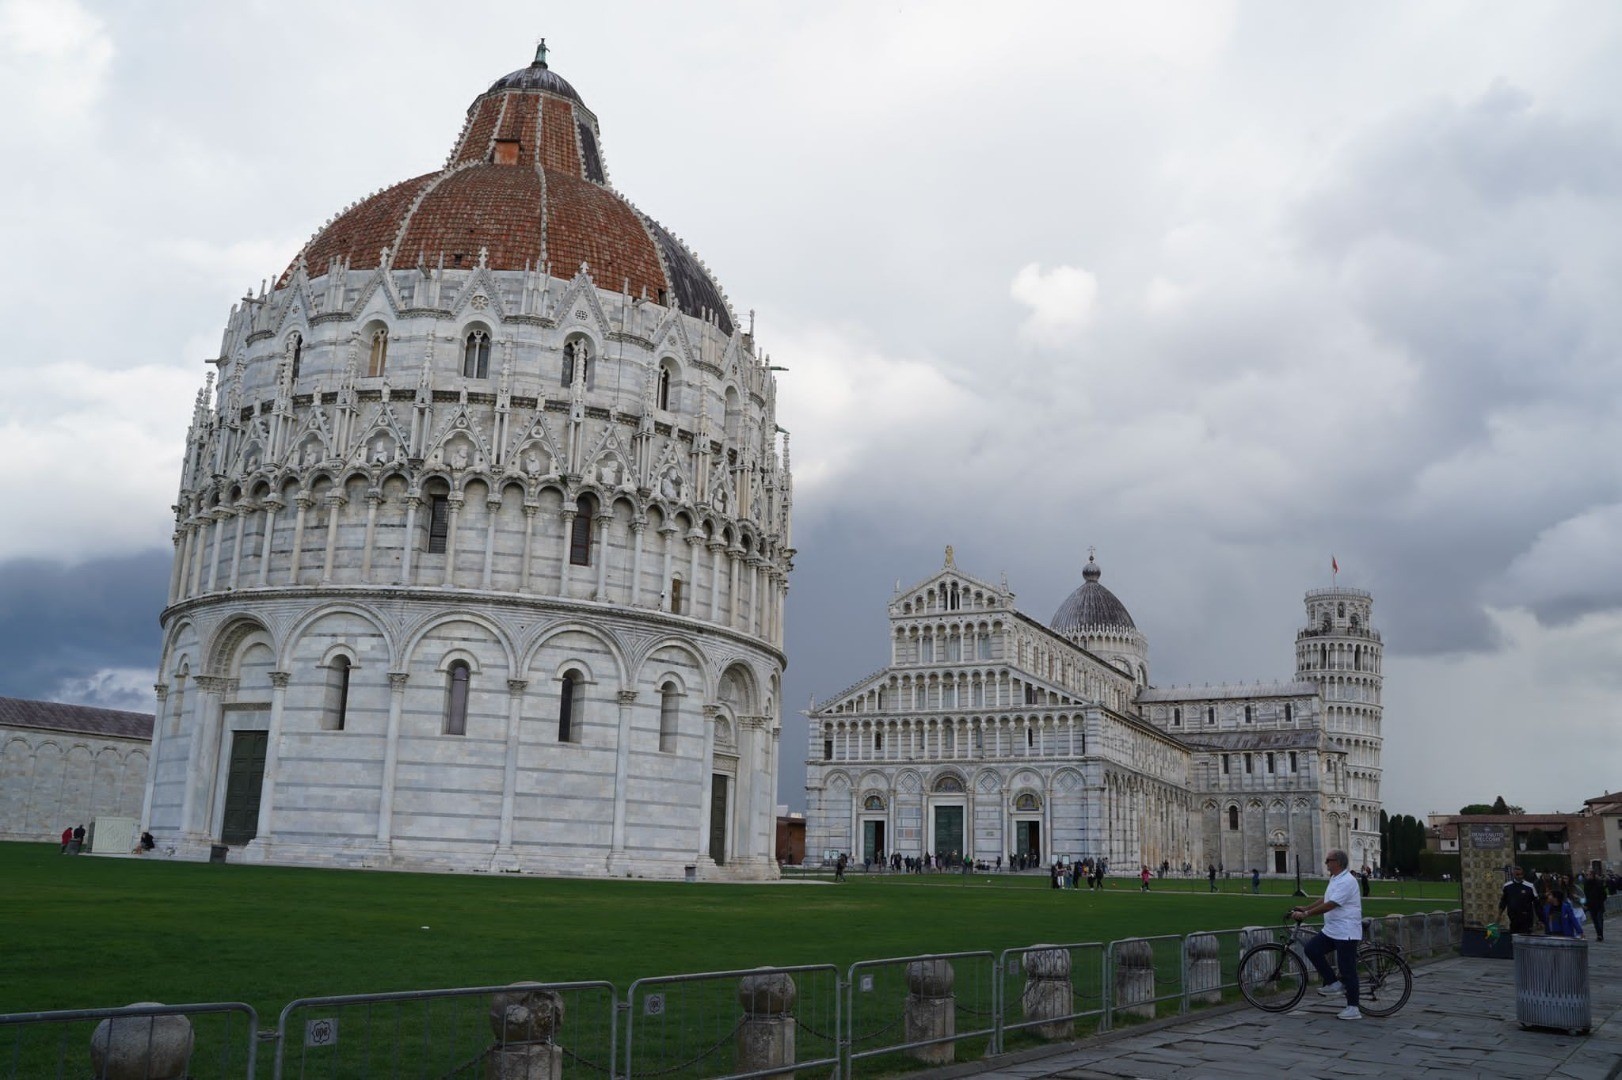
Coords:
pixel 460 430
pixel 252 449
pixel 578 306
pixel 944 578
pixel 608 464
pixel 536 437
pixel 672 481
pixel 312 437
pixel 670 338
pixel 482 283
pixel 383 440
pixel 377 296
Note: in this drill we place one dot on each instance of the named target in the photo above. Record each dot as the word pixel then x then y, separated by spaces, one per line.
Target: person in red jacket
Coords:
pixel 67 838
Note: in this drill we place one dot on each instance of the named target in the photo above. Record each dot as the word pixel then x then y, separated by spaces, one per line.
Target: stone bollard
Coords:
pixel 1436 927
pixel 1048 995
pixel 1135 978
pixel 525 1023
pixel 766 1036
pixel 1202 969
pixel 931 1011
pixel 1391 932
pixel 1413 934
pixel 141 1047
pixel 1455 929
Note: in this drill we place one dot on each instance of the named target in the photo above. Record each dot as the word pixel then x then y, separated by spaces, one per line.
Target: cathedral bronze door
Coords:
pixel 718 818
pixel 1279 862
pixel 245 782
pixel 949 831
pixel 872 841
pixel 1028 838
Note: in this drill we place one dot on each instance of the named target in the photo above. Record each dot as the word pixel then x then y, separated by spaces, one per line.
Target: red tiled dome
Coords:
pixel 525 184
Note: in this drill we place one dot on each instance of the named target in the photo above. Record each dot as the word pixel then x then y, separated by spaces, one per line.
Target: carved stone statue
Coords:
pixel 460 459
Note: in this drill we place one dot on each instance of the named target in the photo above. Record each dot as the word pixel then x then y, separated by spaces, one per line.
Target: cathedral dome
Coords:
pixel 1091 606
pixel 524 187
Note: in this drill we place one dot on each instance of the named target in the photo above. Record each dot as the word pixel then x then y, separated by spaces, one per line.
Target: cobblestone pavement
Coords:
pixel 1459 1022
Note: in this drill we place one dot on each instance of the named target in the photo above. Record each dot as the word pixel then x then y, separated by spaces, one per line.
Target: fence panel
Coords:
pixel 1050 993
pixel 201 1042
pixel 754 1022
pixel 566 1027
pixel 929 1008
pixel 1141 975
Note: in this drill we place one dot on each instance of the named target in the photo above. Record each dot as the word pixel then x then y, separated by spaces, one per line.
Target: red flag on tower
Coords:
pixel 1334 565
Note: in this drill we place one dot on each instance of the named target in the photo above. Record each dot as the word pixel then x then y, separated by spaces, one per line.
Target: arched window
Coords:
pixel 1177 718
pixel 1355 624
pixel 665 377
pixel 576 360
pixel 1340 610
pixel 297 353
pixel 581 531
pixel 1247 714
pixel 668 699
pixel 569 711
pixel 675 596
pixel 378 361
pixel 439 523
pixel 949 784
pixel 1233 819
pixel 337 703
pixel 734 413
pixel 457 678
pixel 476 356
pixel 1210 714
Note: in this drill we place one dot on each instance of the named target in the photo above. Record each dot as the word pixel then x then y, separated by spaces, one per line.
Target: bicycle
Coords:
pixel 1273 976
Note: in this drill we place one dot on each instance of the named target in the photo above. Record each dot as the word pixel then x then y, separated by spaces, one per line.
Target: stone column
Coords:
pixel 509 782
pixel 222 764
pixel 161 691
pixel 530 510
pixel 200 757
pixel 1048 995
pixel 303 500
pixel 241 511
pixel 335 500
pixel 622 765
pixel 1134 978
pixel 178 569
pixel 525 1024
pixel 148 1047
pixel 455 501
pixel 599 524
pixel 668 534
pixel 754 625
pixel 639 525
pixel 408 543
pixel 272 505
pixel 568 539
pixel 374 499
pixel 391 757
pixel 1202 969
pixel 766 1034
pixel 493 506
pixel 199 549
pixel 706 780
pixel 267 797
pixel 931 1011
pixel 219 514
pixel 734 560
pixel 695 540
pixel 716 548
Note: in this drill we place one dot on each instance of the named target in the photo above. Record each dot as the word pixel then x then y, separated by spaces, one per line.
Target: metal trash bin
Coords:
pixel 690 874
pixel 217 852
pixel 1551 983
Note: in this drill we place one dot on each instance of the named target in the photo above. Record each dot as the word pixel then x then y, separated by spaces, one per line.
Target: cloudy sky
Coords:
pixel 1221 289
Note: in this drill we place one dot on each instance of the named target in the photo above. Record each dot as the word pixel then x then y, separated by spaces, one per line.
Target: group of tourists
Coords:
pixel 1560 903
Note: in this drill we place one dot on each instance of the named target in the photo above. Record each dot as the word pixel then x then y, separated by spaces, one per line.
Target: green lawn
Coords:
pixel 84 932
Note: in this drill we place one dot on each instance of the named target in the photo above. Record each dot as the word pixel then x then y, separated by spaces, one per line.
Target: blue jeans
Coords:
pixel 1345 959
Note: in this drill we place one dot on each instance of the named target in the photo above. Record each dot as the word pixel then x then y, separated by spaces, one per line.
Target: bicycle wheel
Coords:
pixel 1272 978
pixel 1383 980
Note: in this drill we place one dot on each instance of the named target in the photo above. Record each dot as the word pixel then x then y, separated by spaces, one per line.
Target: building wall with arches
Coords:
pixel 1054 749
pixel 65 765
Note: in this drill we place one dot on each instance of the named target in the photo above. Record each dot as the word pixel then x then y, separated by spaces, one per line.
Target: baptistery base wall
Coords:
pixel 445 730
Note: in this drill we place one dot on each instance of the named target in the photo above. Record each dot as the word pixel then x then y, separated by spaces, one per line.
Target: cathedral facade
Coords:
pixel 990 735
pixel 482 539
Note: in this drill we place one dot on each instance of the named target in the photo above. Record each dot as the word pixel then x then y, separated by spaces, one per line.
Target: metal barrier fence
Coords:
pixel 1058 989
pixel 754 1022
pixel 737 1024
pixel 520 1029
pixel 216 1039
pixel 925 1006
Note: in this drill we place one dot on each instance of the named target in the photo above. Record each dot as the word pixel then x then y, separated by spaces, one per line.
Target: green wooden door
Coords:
pixel 949 830
pixel 243 786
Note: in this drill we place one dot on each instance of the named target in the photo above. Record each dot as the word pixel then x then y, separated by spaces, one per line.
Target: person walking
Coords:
pixel 1210 875
pixel 1255 881
pixel 1594 901
pixel 1342 909
pixel 1143 876
pixel 1519 901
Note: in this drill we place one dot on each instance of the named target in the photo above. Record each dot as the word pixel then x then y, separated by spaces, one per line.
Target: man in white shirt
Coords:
pixel 1342 909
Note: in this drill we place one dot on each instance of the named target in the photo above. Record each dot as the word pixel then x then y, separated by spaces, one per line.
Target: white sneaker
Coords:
pixel 1332 988
pixel 1350 1012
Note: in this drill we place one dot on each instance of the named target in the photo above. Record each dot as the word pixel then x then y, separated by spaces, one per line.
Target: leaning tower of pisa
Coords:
pixel 1341 652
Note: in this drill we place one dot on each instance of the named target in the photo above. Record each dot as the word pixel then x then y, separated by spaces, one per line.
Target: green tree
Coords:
pixel 1478 808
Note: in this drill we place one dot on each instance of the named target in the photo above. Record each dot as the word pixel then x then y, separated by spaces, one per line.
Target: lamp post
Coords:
pixel 1299 891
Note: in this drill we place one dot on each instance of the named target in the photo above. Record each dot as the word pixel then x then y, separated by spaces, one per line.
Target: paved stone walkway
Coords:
pixel 1460 1021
